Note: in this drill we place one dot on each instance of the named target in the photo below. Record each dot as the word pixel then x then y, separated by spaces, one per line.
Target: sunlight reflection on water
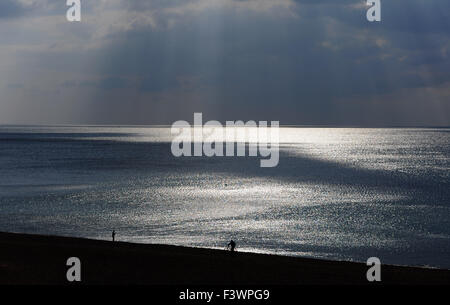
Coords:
pixel 341 193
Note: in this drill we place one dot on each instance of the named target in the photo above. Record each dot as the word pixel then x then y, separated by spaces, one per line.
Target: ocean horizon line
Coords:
pixel 192 125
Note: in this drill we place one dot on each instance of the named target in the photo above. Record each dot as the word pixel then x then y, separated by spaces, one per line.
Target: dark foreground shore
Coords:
pixel 34 259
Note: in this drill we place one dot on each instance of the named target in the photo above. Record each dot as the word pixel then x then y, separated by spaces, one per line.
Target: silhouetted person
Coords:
pixel 113 234
pixel 231 245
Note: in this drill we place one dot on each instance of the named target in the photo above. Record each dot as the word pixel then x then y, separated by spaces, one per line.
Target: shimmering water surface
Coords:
pixel 345 194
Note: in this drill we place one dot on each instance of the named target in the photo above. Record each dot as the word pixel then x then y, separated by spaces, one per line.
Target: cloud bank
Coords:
pixel 154 62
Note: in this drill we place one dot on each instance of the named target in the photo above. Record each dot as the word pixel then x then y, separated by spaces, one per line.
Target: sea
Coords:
pixel 337 193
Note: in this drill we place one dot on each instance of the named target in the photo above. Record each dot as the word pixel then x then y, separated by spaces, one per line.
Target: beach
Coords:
pixel 37 259
pixel 141 141
pixel 343 194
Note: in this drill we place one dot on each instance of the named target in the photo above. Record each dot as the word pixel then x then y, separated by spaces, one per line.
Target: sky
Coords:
pixel 300 62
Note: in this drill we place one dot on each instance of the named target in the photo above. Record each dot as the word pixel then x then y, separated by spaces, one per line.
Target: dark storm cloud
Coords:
pixel 11 8
pixel 304 61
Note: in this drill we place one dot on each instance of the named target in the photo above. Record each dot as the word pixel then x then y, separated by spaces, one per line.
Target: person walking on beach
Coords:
pixel 231 245
pixel 113 235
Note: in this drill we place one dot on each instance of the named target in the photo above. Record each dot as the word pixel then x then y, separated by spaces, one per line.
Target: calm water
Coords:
pixel 344 194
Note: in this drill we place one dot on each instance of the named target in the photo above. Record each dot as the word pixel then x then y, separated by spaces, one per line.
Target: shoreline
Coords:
pixel 41 259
